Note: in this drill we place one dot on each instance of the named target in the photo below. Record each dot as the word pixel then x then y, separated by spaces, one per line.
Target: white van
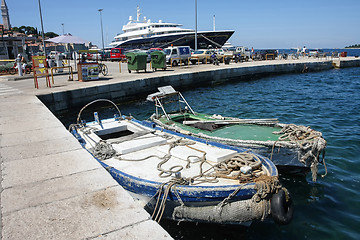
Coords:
pixel 176 53
pixel 244 51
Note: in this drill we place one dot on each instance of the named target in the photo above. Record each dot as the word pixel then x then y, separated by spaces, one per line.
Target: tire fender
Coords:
pixel 282 207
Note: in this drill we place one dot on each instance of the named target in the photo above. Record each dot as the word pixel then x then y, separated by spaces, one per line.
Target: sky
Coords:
pixel 260 24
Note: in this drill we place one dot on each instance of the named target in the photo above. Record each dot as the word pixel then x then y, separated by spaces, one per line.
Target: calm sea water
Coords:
pixel 328 101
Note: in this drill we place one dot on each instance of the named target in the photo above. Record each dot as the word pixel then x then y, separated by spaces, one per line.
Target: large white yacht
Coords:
pixel 144 34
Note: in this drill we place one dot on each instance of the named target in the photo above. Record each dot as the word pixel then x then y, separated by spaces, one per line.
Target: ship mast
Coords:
pixel 138 13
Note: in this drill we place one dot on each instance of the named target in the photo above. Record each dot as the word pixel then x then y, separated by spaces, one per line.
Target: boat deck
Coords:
pixel 141 156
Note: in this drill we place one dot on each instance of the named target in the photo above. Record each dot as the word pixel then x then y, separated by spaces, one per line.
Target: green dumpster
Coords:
pixel 136 61
pixel 158 60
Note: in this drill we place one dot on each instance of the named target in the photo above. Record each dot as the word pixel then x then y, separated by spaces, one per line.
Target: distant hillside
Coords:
pixel 354 46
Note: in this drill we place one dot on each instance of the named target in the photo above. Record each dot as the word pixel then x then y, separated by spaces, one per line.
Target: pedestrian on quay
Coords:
pixel 304 51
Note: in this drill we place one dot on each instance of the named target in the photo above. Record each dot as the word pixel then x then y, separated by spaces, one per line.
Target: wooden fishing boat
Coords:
pixel 293 148
pixel 185 178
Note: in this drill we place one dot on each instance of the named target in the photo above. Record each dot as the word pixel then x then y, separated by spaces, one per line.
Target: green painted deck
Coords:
pixel 232 131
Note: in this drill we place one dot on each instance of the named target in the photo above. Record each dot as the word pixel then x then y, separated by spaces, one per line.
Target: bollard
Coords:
pixel 18 64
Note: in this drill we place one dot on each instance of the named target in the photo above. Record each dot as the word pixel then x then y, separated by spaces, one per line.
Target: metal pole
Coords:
pixel 102 33
pixel 63 28
pixel 42 29
pixel 195 25
pixel 18 65
pixel 214 23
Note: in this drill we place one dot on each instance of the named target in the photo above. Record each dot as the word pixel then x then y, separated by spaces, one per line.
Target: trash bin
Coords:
pixel 343 54
pixel 136 61
pixel 158 60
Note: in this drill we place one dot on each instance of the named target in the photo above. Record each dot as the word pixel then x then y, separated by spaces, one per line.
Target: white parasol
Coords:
pixel 67 38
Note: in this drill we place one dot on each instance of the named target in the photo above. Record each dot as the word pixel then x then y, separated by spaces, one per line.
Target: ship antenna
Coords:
pixel 138 13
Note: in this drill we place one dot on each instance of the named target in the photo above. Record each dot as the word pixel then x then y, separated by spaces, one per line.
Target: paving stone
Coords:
pixel 80 217
pixel 42 168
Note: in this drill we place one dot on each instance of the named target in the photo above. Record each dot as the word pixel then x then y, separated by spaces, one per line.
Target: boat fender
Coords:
pixel 282 207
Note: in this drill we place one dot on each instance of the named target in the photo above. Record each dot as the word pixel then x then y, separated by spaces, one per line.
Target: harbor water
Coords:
pixel 327 101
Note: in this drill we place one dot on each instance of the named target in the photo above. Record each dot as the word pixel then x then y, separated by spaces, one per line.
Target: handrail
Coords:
pixel 269 54
pixel 98 100
pixel 171 59
pixel 189 58
pixel 52 73
pixel 7 60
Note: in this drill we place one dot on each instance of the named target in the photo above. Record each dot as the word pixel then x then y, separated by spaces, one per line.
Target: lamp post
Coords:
pixel 42 28
pixel 195 25
pixel 102 33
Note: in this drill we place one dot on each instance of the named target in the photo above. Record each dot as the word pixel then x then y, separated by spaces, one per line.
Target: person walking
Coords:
pixel 304 51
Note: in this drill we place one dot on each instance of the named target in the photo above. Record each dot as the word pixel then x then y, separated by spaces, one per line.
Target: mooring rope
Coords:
pixel 310 142
pixel 162 197
pixel 104 150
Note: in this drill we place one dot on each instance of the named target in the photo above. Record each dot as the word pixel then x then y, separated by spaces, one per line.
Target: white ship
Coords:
pixel 144 34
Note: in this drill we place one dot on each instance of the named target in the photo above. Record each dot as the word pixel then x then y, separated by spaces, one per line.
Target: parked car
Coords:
pixel 268 54
pixel 202 55
pixel 52 54
pixel 105 56
pixel 65 55
pixel 148 59
pixel 220 51
pixel 93 56
pixel 316 52
pixel 117 54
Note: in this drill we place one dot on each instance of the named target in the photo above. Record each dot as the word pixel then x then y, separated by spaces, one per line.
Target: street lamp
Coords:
pixel 102 33
pixel 42 29
pixel 195 25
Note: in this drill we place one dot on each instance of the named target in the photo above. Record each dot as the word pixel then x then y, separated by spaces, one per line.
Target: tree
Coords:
pixel 22 29
pixel 51 34
pixel 353 46
pixel 15 29
pixel 28 30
